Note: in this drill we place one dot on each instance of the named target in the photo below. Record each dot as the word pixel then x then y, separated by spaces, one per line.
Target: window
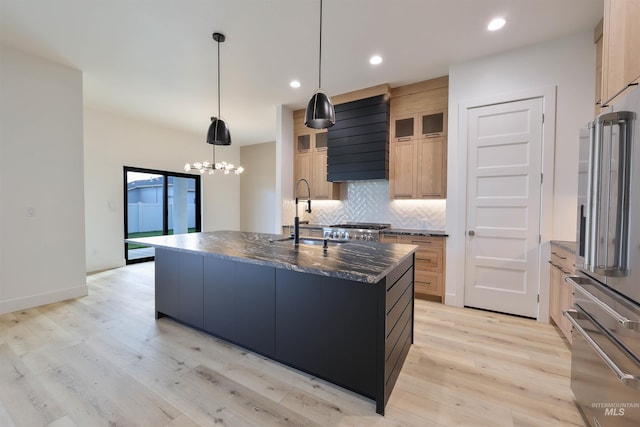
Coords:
pixel 158 203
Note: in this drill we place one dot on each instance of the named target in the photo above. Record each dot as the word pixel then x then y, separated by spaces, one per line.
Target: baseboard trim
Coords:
pixel 31 301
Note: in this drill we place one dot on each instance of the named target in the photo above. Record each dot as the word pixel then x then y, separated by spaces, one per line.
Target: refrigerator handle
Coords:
pixel 593 196
pixel 597 257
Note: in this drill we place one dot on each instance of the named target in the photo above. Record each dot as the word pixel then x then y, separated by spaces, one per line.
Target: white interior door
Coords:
pixel 503 207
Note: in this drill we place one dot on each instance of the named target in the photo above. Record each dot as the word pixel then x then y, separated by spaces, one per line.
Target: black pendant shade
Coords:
pixel 320 113
pixel 218 133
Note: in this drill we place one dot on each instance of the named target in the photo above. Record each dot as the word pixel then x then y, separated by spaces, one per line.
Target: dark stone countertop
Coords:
pixel 355 260
pixel 567 246
pixel 414 232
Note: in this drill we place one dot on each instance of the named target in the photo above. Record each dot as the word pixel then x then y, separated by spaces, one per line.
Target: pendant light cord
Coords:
pixel 320 50
pixel 218 81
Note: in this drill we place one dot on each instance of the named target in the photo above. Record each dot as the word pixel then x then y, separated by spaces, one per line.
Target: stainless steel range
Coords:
pixel 365 231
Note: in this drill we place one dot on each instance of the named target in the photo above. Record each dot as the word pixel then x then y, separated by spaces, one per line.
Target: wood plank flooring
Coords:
pixel 105 360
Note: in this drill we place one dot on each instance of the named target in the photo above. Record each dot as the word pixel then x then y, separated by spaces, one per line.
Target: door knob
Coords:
pixel 472 233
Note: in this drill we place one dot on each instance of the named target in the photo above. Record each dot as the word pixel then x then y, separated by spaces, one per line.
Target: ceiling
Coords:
pixel 156 60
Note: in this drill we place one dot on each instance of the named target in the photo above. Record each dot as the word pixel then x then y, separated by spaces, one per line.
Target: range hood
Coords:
pixel 358 144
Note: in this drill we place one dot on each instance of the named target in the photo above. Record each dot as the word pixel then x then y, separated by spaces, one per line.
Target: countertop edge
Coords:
pixel 414 232
pixel 564 244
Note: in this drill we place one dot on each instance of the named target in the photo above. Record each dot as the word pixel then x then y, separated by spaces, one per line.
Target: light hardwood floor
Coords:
pixel 105 360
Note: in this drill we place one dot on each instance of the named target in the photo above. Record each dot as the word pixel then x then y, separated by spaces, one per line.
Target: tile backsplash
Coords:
pixel 368 201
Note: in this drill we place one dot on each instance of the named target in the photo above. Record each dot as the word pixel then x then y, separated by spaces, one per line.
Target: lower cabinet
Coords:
pixel 239 303
pixel 166 270
pixel 560 292
pixel 256 306
pixel 323 323
pixel 220 296
pixel 190 288
pixel 429 264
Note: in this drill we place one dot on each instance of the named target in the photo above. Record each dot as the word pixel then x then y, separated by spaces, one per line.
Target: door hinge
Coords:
pixel 542 117
pixel 541 177
pixel 539 238
pixel 538 297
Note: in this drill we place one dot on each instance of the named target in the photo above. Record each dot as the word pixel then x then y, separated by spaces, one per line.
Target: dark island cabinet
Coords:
pixel 323 324
pixel 190 289
pixel 166 269
pixel 220 296
pixel 354 334
pixel 255 307
pixel 239 303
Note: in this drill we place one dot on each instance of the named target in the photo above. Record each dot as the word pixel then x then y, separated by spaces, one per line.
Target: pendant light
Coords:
pixel 218 133
pixel 320 113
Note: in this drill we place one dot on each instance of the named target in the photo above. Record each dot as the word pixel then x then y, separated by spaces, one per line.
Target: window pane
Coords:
pixel 144 210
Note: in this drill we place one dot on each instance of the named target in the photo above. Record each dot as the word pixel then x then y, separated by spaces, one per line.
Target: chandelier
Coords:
pixel 211 167
pixel 218 134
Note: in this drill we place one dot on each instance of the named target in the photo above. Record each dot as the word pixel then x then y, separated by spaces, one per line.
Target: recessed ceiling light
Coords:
pixel 294 84
pixel 375 60
pixel 496 24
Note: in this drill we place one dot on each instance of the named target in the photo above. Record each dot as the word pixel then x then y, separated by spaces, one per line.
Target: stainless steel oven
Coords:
pixel 605 356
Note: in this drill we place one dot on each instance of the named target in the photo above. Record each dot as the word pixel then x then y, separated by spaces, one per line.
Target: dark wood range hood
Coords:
pixel 358 144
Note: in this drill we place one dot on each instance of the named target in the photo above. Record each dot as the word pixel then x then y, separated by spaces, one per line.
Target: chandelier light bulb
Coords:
pixel 187 167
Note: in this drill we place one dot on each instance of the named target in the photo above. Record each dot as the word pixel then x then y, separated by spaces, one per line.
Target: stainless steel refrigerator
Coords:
pixel 605 356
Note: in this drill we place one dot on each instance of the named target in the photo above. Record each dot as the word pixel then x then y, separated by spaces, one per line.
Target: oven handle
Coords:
pixel 625 378
pixel 629 324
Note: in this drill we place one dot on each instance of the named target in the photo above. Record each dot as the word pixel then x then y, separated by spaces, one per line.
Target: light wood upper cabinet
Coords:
pixel 418 151
pixel 403 128
pixel 621 43
pixel 597 39
pixel 310 158
pixel 431 167
pixel 402 173
pixel 433 123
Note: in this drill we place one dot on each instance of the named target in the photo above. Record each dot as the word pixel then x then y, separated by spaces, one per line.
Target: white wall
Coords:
pixel 113 141
pixel 284 166
pixel 42 241
pixel 258 188
pixel 569 65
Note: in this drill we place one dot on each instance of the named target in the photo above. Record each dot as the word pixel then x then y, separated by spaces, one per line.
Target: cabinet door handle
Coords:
pixel 432 135
pixel 421 242
pixel 404 138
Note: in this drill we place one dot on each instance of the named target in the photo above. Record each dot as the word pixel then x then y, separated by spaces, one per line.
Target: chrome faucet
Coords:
pixel 296 219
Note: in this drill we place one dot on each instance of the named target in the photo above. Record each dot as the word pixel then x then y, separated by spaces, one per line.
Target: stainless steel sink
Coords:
pixel 319 241
pixel 312 241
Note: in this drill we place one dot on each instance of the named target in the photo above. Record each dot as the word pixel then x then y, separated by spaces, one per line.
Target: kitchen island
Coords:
pixel 342 313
